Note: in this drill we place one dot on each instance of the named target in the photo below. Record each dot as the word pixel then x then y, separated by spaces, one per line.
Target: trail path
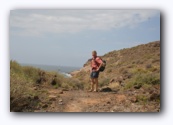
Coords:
pixel 83 101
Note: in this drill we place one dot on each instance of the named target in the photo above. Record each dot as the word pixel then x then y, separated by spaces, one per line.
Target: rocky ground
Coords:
pixel 103 101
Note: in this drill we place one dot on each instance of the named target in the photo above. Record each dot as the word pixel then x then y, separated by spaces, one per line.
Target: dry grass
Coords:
pixel 25 81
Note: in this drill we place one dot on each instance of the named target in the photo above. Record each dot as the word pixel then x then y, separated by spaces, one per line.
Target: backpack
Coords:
pixel 102 68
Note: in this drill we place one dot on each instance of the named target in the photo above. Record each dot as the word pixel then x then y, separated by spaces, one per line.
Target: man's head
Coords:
pixel 94 54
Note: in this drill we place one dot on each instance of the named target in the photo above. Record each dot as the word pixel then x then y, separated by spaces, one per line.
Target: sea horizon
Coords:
pixel 65 70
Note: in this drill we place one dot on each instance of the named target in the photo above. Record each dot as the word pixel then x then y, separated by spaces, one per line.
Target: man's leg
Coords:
pixel 92 85
pixel 96 84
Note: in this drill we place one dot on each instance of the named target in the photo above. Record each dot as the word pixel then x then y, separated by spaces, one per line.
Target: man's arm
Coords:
pixel 90 67
pixel 100 63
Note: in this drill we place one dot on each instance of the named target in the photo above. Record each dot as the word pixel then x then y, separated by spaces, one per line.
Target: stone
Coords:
pixel 137 86
pixel 52 99
pixel 60 100
pixel 45 106
pixel 108 102
pixel 105 89
pixel 61 92
pixel 36 97
pixel 154 96
pixel 112 80
pixel 133 99
pixel 65 89
pixel 122 84
pixel 60 103
pixel 35 88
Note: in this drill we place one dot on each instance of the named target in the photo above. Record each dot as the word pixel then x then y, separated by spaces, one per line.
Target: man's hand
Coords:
pixel 97 69
pixel 90 70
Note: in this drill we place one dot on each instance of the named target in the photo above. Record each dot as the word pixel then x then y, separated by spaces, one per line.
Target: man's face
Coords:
pixel 93 55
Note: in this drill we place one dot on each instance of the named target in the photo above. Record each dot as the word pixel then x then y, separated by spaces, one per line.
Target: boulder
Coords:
pixel 106 89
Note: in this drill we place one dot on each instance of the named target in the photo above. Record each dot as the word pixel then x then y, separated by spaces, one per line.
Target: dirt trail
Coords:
pixel 83 101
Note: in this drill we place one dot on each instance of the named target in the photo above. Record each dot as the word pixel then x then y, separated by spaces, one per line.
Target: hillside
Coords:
pixel 133 72
pixel 130 83
pixel 127 65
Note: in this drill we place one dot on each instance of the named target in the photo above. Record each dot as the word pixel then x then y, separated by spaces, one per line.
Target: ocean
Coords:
pixel 65 70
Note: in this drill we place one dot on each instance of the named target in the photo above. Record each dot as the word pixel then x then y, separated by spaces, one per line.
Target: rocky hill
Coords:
pixel 130 83
pixel 124 66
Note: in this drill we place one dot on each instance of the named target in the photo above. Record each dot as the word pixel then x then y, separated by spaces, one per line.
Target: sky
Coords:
pixel 68 37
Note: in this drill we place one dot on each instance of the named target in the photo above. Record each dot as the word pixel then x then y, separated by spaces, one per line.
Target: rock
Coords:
pixel 112 80
pixel 137 86
pixel 117 108
pixel 122 84
pixel 127 76
pixel 52 96
pixel 105 89
pixel 61 92
pixel 35 88
pixel 119 79
pixel 52 99
pixel 60 100
pixel 60 103
pixel 115 91
pixel 154 96
pixel 65 89
pixel 133 99
pixel 36 97
pixel 108 102
pixel 151 91
pixel 45 106
pixel 54 82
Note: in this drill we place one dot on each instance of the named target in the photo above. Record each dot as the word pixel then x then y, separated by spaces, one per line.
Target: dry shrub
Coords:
pixel 142 79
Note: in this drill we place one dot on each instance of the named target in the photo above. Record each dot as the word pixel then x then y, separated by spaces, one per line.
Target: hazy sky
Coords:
pixel 67 37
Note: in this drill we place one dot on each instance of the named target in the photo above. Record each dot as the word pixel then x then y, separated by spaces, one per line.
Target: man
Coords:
pixel 96 63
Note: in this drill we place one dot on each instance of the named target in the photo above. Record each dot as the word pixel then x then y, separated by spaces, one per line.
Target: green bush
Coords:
pixel 141 79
